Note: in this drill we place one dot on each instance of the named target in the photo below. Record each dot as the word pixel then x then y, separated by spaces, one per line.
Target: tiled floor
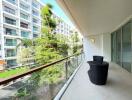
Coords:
pixel 118 87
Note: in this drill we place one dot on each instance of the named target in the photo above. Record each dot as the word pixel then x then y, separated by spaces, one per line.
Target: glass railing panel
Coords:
pixel 45 83
pixel 10 31
pixel 35 5
pixel 9 10
pixel 24 16
pixel 12 1
pixel 10 21
pixel 24 7
pixel 25 34
pixel 11 43
pixel 10 53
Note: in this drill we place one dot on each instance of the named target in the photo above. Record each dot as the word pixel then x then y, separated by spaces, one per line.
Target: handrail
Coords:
pixel 7 80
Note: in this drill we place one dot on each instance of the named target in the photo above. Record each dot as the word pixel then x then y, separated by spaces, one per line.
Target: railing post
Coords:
pixel 66 69
pixel 81 56
pixel 77 60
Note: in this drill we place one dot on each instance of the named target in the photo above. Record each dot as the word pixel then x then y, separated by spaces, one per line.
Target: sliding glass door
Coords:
pixel 121 46
pixel 118 47
pixel 113 44
pixel 126 46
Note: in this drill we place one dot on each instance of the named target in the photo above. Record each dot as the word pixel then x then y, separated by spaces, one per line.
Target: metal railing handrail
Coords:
pixel 7 80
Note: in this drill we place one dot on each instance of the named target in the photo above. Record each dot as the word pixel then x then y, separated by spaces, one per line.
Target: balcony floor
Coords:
pixel 118 87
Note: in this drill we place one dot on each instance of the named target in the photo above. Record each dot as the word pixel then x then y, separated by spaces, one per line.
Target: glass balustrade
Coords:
pixel 24 34
pixel 10 21
pixel 11 42
pixel 9 10
pixel 12 1
pixel 44 83
pixel 24 16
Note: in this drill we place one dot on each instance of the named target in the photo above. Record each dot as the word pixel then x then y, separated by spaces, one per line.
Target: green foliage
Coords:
pixel 47 20
pixel 76 46
pixel 11 72
pixel 47 49
pixel 24 42
pixel 22 92
pixel 52 74
pixel 25 56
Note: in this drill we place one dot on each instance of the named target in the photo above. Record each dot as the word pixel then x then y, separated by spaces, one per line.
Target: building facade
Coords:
pixel 18 19
pixel 22 19
pixel 62 27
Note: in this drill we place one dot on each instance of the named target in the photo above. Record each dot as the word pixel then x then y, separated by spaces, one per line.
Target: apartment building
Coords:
pixel 18 19
pixel 62 27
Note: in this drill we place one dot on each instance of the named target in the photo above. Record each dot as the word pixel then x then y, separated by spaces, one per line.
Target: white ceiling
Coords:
pixel 97 16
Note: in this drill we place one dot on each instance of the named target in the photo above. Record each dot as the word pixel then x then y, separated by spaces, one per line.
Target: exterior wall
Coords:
pixel 97 45
pixel 62 27
pixel 18 18
pixel 107 46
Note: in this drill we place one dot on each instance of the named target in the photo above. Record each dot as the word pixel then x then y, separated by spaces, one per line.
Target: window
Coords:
pixel 25 34
pixel 35 20
pixel 35 4
pixel 9 10
pixel 10 21
pixel 24 7
pixel 9 31
pixel 11 63
pixel 35 13
pixel 24 25
pixel 35 28
pixel 11 42
pixel 35 35
pixel 24 16
pixel 10 53
pixel 12 1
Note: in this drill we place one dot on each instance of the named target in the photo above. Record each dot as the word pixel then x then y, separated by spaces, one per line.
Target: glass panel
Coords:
pixel 9 10
pixel 11 63
pixel 113 42
pixel 25 34
pixel 9 31
pixel 126 46
pixel 24 7
pixel 118 46
pixel 45 83
pixel 11 42
pixel 12 1
pixel 10 21
pixel 24 16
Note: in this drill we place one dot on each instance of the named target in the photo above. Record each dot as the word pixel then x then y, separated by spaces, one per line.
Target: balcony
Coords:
pixel 24 34
pixel 35 35
pixel 11 42
pixel 24 7
pixel 35 13
pixel 11 63
pixel 23 25
pixel 35 5
pixel 12 1
pixel 118 87
pixel 24 16
pixel 10 53
pixel 28 81
pixel 9 31
pixel 9 10
pixel 35 29
pixel 10 21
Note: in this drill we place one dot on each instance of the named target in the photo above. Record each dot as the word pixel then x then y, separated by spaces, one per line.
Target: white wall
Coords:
pixel 92 48
pixel 107 46
pixel 97 45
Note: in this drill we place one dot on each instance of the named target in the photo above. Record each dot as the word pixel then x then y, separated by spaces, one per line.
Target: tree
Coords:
pixel 46 48
pixel 25 54
pixel 76 42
